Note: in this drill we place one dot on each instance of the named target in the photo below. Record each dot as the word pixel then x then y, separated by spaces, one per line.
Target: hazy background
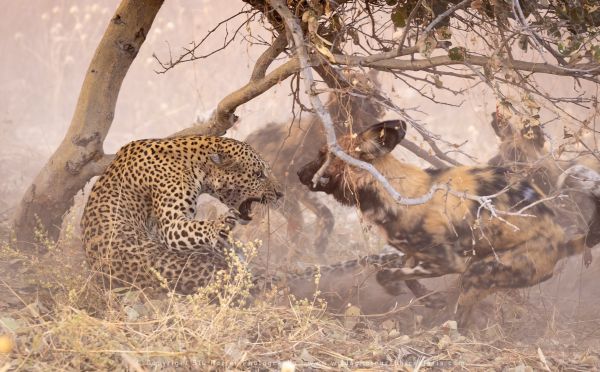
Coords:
pixel 45 49
pixel 46 46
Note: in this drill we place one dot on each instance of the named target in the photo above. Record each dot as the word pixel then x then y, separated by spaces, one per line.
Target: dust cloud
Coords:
pixel 46 47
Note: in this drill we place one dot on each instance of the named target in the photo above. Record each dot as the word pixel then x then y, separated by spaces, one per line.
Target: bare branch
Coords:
pixel 446 14
pixel 579 70
pixel 264 61
pixel 223 117
pixel 405 32
pixel 412 147
pixel 190 53
pixel 294 29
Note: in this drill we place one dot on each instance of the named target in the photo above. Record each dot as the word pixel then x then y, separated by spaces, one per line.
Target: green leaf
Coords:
pixel 399 16
pixel 457 53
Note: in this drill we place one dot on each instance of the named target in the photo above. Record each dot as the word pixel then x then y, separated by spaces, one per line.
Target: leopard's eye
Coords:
pixel 260 174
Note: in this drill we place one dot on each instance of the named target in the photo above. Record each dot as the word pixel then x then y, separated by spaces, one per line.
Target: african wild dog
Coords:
pixel 525 154
pixel 444 235
pixel 287 146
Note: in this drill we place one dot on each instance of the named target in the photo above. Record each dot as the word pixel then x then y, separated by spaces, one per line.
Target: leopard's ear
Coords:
pixel 216 158
pixel 221 160
pixel 380 139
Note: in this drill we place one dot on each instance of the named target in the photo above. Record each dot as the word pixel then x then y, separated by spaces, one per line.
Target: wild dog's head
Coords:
pixel 338 178
pixel 521 146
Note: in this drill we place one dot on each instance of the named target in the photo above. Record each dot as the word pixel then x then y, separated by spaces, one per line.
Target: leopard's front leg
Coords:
pixel 186 235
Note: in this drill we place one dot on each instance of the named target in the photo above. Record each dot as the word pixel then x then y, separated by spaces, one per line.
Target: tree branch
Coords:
pixel 412 147
pixel 578 70
pixel 223 117
pixel 293 28
pixel 268 56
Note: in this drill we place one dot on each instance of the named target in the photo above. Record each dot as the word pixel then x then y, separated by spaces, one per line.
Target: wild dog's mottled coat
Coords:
pixel 524 153
pixel 444 235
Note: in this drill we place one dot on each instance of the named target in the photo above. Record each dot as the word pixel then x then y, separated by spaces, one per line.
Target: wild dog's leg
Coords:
pixel 325 220
pixel 593 236
pixel 440 262
pixel 529 264
pixel 587 180
pixel 295 222
pixel 389 277
pixel 430 299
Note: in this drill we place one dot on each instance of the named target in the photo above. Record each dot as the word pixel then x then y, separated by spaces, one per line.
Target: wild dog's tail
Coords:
pixel 587 180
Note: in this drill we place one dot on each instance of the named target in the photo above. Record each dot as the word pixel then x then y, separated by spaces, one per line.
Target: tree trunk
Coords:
pixel 80 156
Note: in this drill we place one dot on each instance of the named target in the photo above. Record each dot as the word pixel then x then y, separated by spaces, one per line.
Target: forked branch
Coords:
pixel 224 116
pixel 295 31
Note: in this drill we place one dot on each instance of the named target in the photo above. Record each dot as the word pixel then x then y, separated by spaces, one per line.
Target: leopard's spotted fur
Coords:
pixel 139 219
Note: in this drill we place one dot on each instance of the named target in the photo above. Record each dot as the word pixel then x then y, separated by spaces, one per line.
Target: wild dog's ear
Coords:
pixel 501 127
pixel 380 139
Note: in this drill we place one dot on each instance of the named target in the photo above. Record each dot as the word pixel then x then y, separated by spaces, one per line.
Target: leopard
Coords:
pixel 139 227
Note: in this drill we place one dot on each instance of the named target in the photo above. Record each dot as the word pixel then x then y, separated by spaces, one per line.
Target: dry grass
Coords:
pixel 57 319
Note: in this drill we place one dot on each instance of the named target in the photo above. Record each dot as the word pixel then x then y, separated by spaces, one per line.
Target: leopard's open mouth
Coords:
pixel 245 208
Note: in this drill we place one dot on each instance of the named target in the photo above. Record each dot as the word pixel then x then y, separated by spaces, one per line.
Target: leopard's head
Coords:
pixel 239 177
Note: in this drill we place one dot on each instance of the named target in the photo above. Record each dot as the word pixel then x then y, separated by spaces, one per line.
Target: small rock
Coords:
pixel 444 342
pixel 132 314
pixel 305 356
pixel 450 325
pixel 288 366
pixel 521 368
pixel 10 324
pixel 393 333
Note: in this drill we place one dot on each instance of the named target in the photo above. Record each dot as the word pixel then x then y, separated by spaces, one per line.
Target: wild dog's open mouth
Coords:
pixel 245 208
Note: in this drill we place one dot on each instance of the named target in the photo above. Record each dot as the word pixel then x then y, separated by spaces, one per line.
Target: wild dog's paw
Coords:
pixel 434 300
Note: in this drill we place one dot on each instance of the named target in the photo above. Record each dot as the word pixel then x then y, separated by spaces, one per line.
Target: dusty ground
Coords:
pixel 57 320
